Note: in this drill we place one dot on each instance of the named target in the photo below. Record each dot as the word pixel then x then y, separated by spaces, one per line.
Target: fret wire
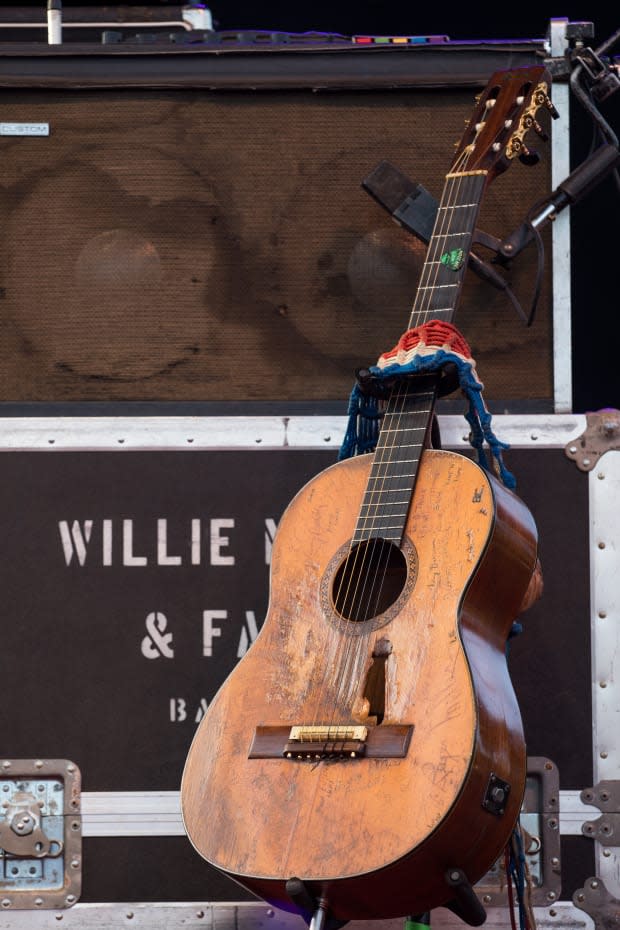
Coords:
pixel 368 533
pixel 402 461
pixel 375 492
pixel 391 526
pixel 407 475
pixel 409 445
pixel 419 412
pixel 392 504
pixel 408 432
pixel 396 480
pixel 435 287
pixel 459 206
pixel 391 516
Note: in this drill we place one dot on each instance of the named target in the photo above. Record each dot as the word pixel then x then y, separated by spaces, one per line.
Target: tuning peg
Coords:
pixel 530 123
pixel 542 99
pixel 528 156
pixel 540 132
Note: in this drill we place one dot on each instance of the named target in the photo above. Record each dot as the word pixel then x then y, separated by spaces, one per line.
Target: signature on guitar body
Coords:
pixel 370 741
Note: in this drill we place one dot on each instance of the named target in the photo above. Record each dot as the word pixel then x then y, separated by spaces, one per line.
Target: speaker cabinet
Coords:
pixel 169 241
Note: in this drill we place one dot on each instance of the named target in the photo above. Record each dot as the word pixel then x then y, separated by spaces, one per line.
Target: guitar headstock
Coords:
pixel 505 112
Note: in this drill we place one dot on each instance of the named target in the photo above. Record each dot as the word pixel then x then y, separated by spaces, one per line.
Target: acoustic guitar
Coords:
pixel 369 744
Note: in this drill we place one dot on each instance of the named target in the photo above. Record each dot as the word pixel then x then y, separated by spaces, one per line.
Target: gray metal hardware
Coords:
pixel 203 915
pixel 540 828
pixel 605 796
pixel 602 435
pixel 596 901
pixel 40 833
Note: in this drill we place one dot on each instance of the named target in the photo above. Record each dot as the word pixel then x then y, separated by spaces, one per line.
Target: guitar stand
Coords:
pixel 315 911
pixel 465 904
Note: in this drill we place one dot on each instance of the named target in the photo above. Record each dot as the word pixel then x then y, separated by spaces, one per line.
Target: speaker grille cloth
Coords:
pixel 188 245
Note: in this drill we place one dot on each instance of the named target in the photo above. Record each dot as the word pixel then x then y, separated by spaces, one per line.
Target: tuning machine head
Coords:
pixel 542 99
pixel 516 146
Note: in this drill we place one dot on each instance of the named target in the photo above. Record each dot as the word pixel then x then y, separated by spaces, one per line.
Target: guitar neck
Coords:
pixel 409 409
pixel 446 257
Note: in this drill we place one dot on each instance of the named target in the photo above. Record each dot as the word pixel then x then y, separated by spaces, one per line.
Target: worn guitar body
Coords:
pixel 374 834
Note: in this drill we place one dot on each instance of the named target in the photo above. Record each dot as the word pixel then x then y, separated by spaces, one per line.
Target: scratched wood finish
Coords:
pixel 374 836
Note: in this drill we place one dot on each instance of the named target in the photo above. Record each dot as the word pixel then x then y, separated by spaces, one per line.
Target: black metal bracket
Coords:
pixel 315 911
pixel 465 904
pixel 414 208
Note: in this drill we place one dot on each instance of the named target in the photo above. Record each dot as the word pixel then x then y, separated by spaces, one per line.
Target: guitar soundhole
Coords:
pixel 369 580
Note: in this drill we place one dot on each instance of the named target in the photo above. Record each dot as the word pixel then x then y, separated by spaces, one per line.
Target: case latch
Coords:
pixel 40 833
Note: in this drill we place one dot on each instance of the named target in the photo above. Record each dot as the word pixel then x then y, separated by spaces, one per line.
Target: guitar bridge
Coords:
pixel 323 742
pixel 314 743
pixel 320 734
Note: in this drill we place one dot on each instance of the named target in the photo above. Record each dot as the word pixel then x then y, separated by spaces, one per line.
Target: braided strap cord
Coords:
pixel 421 350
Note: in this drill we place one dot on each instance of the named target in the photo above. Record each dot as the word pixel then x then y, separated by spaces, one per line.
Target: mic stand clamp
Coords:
pixel 414 208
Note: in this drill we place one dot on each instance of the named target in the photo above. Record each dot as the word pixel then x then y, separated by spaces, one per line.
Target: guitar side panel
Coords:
pixel 361 830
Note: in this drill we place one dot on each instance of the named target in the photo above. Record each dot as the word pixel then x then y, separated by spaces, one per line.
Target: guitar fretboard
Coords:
pixel 409 411
pixel 446 257
pixel 395 465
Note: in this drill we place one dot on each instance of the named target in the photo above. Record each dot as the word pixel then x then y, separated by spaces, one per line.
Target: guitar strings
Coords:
pixel 401 400
pixel 396 407
pixel 356 658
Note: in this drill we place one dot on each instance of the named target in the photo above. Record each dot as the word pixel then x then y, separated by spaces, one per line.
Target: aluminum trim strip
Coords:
pixel 158 813
pixel 109 433
pixel 604 494
pixel 251 916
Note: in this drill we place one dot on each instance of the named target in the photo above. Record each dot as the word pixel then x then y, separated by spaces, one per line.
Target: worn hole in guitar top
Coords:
pixel 369 580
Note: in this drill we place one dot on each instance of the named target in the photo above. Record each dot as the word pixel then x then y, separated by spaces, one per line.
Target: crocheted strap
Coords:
pixel 426 339
pixel 429 347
